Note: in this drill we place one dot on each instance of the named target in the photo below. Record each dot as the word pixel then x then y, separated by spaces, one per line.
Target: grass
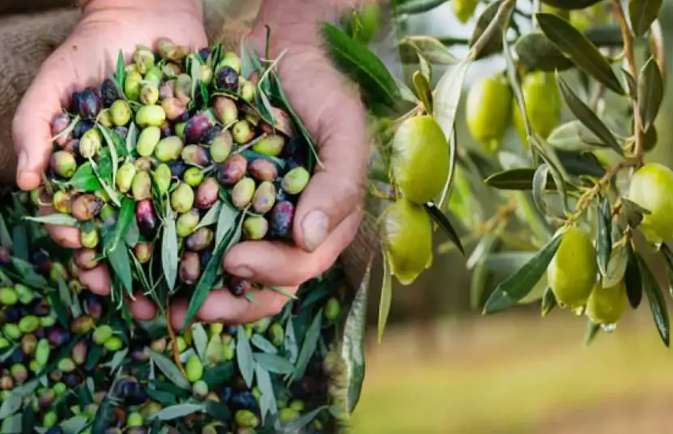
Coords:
pixel 511 374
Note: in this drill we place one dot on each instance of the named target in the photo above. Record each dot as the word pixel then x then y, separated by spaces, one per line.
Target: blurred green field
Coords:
pixel 518 373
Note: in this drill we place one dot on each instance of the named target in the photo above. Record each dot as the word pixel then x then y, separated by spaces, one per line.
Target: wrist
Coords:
pixel 192 8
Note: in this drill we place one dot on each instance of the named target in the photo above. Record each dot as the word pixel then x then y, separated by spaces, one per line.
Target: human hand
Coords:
pixel 329 211
pixel 87 57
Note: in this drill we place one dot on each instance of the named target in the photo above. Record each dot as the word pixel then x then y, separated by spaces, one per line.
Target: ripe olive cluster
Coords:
pixel 179 134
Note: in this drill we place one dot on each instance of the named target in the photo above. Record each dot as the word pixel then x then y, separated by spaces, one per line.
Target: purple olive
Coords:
pixel 239 287
pixel 211 134
pixel 86 207
pixel 87 103
pixel 143 252
pixel 5 255
pixel 207 194
pixel 46 398
pixel 233 169
pixel 85 259
pixel 109 92
pixel 94 306
pixel 60 123
pixel 82 127
pixel 282 216
pixel 196 127
pixel 122 131
pixel 190 267
pixel 146 218
pixel 177 168
pixel 200 239
pixel 57 336
pixel 263 170
pixel 72 146
pixel 226 78
pixel 166 130
pixel 196 155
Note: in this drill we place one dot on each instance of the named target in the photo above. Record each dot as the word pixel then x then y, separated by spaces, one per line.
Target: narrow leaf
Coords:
pixel 54 219
pixel 548 301
pixel 642 14
pixel 169 248
pixel 308 346
pixel 423 90
pixel 591 332
pixel 494 44
pixel 518 285
pixel 574 136
pixel 447 95
pixel 244 357
pixel 616 266
pixel 656 299
pixel 267 401
pixel 604 237
pixel 113 151
pixel 357 61
pixel 126 215
pixel 386 296
pixel 431 49
pixel 443 221
pixel 537 53
pixel 170 370
pixel 516 179
pixel 539 187
pixel 650 91
pixel 273 363
pixel 587 116
pixel 200 339
pixel 120 75
pixel 177 411
pixel 84 179
pixel 668 257
pixel 226 221
pixel 211 217
pixel 581 51
pixel 263 344
pixel 632 279
pixel 131 138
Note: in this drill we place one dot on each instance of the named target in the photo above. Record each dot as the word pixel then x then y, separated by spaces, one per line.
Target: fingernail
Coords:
pixel 314 229
pixel 243 272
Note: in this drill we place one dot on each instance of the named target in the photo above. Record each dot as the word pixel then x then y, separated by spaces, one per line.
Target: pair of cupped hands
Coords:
pixel 329 211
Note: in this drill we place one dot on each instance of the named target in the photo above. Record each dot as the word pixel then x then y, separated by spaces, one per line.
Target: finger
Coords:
pixel 178 313
pixel 280 264
pixel 223 307
pixel 65 236
pixel 142 308
pixel 97 280
pixel 31 126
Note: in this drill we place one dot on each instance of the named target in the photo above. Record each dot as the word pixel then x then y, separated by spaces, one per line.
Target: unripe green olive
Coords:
pixel 150 116
pixel 132 85
pixel 420 159
pixel 194 369
pixel 169 149
pixel 162 178
pixel 464 9
pixel 270 145
pixel 182 198
pixel 606 305
pixel 489 104
pixel 572 272
pixel 243 192
pixel 650 188
pixel 125 176
pixel 149 94
pixel 148 140
pixel 406 231
pixel 120 112
pixel 295 180
pixel 543 104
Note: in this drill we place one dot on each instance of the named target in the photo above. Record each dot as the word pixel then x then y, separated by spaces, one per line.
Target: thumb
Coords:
pixel 31 126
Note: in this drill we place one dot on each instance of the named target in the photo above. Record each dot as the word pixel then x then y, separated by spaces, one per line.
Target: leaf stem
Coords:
pixel 493 27
pixel 585 200
pixel 633 70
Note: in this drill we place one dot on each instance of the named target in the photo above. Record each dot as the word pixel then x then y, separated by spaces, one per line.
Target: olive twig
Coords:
pixel 586 198
pixel 631 61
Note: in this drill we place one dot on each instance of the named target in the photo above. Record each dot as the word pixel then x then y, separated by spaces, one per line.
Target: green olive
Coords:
pixel 651 188
pixel 606 305
pixel 420 159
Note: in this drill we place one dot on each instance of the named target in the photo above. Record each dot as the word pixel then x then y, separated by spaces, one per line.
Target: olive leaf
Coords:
pixel 548 301
pixel 513 76
pixel 650 92
pixel 177 411
pixel 169 249
pixel 113 151
pixel 581 51
pixel 263 344
pixel 539 186
pixel 520 178
pixel 633 212
pixel 170 370
pixel 131 138
pixel 244 358
pixel 479 279
pixel 482 249
pixel 423 89
pixel 431 49
pixel 443 221
pixel 616 266
pixel 386 295
pixel 200 339
pixel 120 75
pixel 587 116
pixel 570 4
pixel 632 279
pixel 357 61
pixel 604 237
pixel 308 347
pixel 517 286
pixel 537 53
pixel 494 44
pixel 84 179
pixel 642 14
pixel 273 363
pixel 668 257
pixel 591 332
pixel 413 7
pixel 54 219
pixel 267 401
pixel 579 164
pixel 574 136
pixel 353 346
pixel 656 300
pixel 447 95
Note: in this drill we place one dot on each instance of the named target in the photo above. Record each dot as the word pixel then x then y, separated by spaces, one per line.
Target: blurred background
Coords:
pixel 444 368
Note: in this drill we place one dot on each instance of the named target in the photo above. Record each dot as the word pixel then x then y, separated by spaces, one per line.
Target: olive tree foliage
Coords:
pixel 569 195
